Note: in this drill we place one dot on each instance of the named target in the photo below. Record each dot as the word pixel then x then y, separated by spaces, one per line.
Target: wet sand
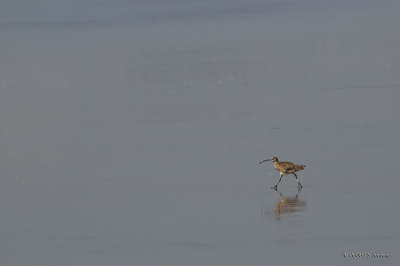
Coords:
pixel 131 133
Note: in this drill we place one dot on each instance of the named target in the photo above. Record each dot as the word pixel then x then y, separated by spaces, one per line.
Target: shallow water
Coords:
pixel 131 132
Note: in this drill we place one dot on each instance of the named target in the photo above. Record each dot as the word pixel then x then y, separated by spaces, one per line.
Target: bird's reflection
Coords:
pixel 286 205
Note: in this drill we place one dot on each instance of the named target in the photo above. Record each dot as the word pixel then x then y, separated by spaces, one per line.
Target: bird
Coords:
pixel 285 168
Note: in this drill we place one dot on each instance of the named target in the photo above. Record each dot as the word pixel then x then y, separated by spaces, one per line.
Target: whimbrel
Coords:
pixel 285 168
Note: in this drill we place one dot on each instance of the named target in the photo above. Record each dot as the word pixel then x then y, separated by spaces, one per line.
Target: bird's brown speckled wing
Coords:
pixel 289 167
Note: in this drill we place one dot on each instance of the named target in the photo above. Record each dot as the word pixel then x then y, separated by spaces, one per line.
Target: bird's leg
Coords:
pixel 276 186
pixel 298 182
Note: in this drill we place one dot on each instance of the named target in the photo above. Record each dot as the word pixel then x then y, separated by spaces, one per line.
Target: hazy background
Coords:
pixel 130 132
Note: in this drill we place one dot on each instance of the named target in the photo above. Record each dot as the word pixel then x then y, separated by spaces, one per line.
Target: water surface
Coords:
pixel 131 132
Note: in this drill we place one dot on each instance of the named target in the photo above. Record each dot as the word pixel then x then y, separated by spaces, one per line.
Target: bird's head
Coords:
pixel 273 159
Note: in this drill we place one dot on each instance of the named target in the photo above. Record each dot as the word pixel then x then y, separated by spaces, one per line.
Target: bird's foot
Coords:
pixel 275 187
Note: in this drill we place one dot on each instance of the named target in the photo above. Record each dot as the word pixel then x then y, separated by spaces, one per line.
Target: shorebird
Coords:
pixel 285 168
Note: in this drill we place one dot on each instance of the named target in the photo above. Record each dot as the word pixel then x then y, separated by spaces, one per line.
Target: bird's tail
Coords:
pixel 301 167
